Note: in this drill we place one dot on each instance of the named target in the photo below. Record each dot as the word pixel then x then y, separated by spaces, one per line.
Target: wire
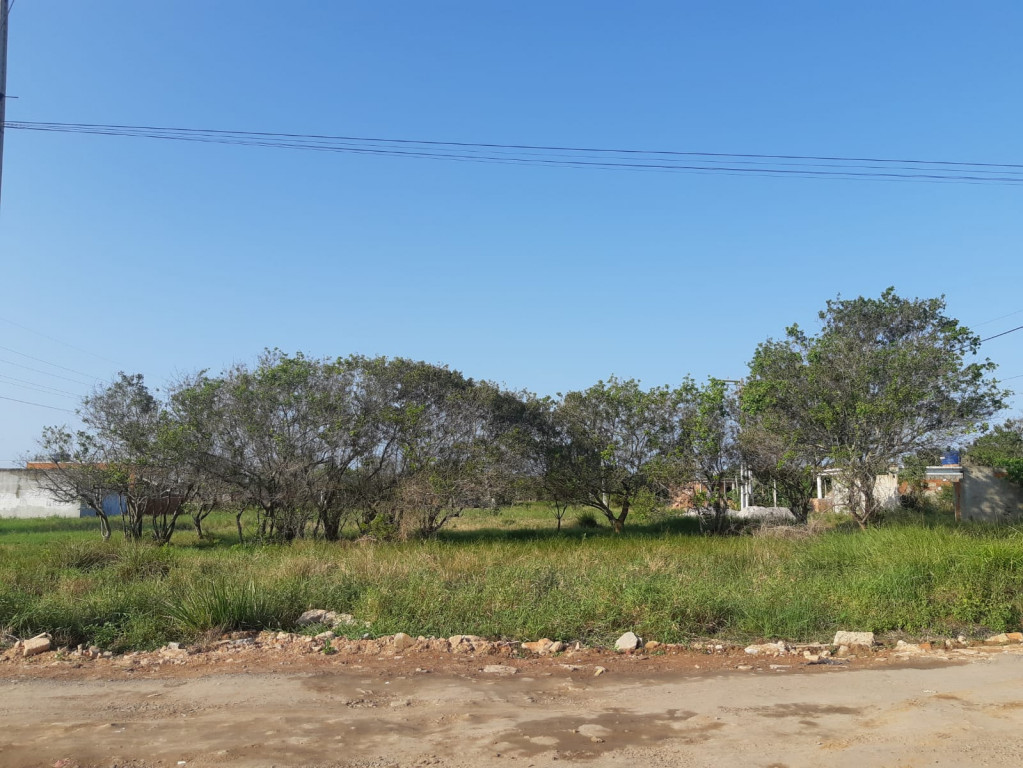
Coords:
pixel 38 405
pixel 54 338
pixel 1004 333
pixel 47 362
pixel 305 136
pixel 45 373
pixel 996 319
pixel 790 166
pixel 25 384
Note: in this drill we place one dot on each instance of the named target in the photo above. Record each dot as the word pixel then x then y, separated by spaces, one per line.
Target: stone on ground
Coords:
pixel 853 638
pixel 499 669
pixel 627 642
pixel 313 616
pixel 402 642
pixel 38 644
pixel 767 649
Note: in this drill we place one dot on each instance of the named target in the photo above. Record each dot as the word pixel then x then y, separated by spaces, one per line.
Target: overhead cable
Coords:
pixel 1004 333
pixel 38 405
pixel 754 164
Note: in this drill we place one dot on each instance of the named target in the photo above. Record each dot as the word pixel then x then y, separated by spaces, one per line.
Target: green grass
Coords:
pixel 511 575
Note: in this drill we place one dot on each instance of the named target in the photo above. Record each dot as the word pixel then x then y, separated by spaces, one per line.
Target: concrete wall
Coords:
pixel 989 497
pixel 886 492
pixel 22 495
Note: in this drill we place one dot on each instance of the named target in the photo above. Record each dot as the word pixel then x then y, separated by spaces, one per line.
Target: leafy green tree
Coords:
pixel 128 450
pixel 883 378
pixel 705 447
pixel 614 433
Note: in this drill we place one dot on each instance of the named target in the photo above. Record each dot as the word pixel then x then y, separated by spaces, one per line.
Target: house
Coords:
pixel 23 494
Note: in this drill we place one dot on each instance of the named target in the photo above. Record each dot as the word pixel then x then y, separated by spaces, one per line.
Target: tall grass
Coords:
pixel 665 582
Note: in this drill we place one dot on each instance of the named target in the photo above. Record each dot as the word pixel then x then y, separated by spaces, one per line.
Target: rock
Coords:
pixel 598 671
pixel 593 730
pixel 853 638
pixel 173 646
pixel 541 646
pixel 556 647
pixel 766 649
pixel 842 652
pixel 998 639
pixel 653 645
pixel 744 667
pixel 627 642
pixel 1015 637
pixel 313 616
pixel 500 669
pixel 904 647
pixel 38 644
pixel 324 637
pixel 402 642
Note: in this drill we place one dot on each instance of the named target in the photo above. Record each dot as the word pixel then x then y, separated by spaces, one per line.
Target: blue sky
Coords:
pixel 165 257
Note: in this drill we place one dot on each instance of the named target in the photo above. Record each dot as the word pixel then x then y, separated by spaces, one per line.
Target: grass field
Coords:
pixel 511 575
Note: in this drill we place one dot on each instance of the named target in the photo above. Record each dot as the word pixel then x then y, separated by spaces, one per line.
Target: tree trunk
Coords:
pixel 331 527
pixel 104 525
pixel 618 523
pixel 238 522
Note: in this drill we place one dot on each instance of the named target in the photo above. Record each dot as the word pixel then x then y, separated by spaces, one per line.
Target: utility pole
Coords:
pixel 5 13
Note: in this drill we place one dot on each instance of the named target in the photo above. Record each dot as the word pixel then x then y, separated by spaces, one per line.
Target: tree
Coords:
pixel 883 378
pixel 772 457
pixel 443 443
pixel 76 473
pixel 613 433
pixel 705 446
pixel 128 451
pixel 257 431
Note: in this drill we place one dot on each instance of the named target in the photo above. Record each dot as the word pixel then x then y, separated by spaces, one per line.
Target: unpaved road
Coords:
pixel 934 714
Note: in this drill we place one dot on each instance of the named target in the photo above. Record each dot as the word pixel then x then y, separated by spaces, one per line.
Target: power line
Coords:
pixel 465 144
pixel 54 338
pixel 1004 333
pixel 36 387
pixel 790 166
pixel 47 362
pixel 45 373
pixel 38 405
pixel 996 319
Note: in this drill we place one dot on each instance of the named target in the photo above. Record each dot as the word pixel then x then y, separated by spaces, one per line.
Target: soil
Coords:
pixel 281 701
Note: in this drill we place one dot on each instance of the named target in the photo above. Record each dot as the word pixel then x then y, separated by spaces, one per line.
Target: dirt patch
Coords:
pixel 248 706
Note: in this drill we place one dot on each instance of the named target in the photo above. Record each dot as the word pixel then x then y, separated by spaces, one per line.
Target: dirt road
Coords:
pixel 546 714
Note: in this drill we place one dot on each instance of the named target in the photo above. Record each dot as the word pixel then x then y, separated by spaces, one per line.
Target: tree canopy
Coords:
pixel 883 378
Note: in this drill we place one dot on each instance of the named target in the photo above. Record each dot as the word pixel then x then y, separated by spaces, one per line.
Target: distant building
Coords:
pixel 23 494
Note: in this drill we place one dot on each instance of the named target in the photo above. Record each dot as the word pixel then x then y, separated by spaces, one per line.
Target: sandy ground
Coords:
pixel 963 708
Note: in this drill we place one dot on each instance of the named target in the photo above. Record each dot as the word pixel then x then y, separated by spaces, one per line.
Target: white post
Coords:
pixel 820 487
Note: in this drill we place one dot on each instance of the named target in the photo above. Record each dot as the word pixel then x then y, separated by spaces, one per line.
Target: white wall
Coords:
pixel 22 495
pixel 987 495
pixel 886 492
